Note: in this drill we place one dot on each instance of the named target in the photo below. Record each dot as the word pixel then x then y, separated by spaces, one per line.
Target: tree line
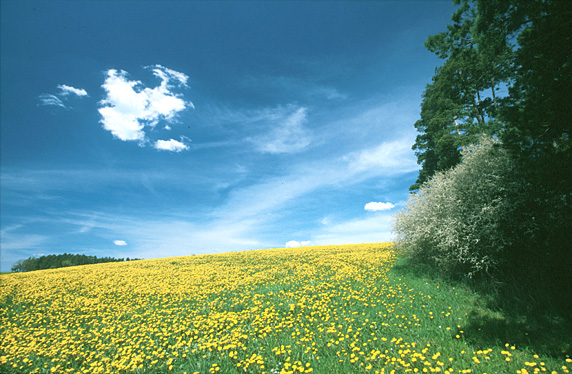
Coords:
pixel 493 198
pixel 507 72
pixel 62 260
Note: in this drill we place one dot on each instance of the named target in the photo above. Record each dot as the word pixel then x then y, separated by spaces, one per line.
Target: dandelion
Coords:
pixel 274 311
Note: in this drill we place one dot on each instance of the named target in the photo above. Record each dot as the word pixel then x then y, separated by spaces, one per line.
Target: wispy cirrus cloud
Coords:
pixel 373 229
pixel 170 235
pixel 395 155
pixel 241 223
pixel 282 85
pixel 51 100
pixel 129 106
pixel 245 216
pixel 59 98
pixel 18 244
pixel 288 133
pixel 272 194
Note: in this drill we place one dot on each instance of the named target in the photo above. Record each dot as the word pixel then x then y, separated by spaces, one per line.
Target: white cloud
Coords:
pixel 66 90
pixel 56 100
pixel 18 244
pixel 129 106
pixel 171 145
pixel 273 193
pixel 152 237
pixel 49 99
pixel 326 220
pixel 122 125
pixel 288 134
pixel 120 242
pixel 249 212
pixel 377 206
pixel 290 86
pixel 393 156
pixel 294 243
pixel 374 229
pixel 167 74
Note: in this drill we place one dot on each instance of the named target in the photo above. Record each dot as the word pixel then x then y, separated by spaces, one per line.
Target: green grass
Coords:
pixel 344 309
pixel 493 316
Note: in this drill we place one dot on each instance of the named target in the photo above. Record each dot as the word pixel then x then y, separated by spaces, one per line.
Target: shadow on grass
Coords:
pixel 545 334
pixel 525 313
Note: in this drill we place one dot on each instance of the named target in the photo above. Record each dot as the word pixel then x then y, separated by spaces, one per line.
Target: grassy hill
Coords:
pixel 331 309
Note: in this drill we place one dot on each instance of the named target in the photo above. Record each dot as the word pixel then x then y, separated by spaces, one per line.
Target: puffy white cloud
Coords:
pixel 295 243
pixel 122 125
pixel 171 145
pixel 376 206
pixel 66 90
pixel 120 242
pixel 129 106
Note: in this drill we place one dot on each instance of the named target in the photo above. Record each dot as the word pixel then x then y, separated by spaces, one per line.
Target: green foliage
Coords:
pixel 491 218
pixel 511 217
pixel 539 107
pixel 460 103
pixel 58 261
pixel 523 45
pixel 456 221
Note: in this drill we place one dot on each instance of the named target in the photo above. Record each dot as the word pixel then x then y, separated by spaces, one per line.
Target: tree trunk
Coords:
pixel 494 97
pixel 480 116
pixel 458 131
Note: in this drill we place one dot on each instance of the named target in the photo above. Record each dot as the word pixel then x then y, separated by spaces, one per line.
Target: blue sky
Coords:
pixel 156 129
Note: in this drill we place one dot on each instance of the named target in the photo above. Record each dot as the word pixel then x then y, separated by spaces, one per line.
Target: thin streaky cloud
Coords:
pixel 393 155
pixel 292 135
pixel 167 74
pixel 57 99
pixel 272 194
pixel 289 86
pixel 51 100
pixel 288 134
pixel 374 229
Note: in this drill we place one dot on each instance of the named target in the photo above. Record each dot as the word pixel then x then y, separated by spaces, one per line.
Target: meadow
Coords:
pixel 330 309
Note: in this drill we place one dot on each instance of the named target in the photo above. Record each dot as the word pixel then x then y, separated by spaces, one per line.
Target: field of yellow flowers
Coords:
pixel 331 309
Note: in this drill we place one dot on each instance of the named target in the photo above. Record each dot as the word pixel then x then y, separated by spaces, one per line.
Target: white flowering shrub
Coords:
pixel 457 220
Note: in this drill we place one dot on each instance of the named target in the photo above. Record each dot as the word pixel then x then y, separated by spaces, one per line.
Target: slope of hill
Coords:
pixel 332 309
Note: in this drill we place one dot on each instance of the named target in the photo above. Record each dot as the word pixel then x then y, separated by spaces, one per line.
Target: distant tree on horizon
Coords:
pixel 61 260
